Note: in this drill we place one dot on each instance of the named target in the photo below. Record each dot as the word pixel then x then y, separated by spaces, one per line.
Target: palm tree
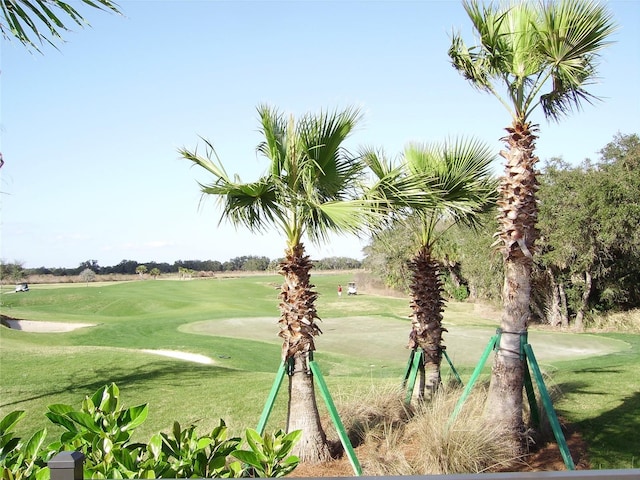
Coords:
pixel 529 55
pixel 457 173
pixel 308 190
pixel 27 20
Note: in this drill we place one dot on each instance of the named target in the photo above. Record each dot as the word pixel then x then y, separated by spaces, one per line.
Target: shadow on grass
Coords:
pixel 613 435
pixel 163 374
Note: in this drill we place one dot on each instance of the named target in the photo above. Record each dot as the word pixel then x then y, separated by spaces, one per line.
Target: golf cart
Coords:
pixel 22 287
pixel 351 289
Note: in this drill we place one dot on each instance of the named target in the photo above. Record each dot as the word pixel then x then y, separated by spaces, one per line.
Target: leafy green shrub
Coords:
pixel 461 293
pixel 269 455
pixel 20 461
pixel 183 454
pixel 102 430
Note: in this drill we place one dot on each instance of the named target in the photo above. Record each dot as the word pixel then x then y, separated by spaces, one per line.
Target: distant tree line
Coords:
pixel 15 271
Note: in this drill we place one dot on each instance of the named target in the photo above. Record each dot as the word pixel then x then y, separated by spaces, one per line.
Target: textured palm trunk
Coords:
pixel 426 320
pixel 517 218
pixel 297 328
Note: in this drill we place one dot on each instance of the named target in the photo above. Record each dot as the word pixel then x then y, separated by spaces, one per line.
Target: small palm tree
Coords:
pixel 530 55
pixel 456 176
pixel 308 190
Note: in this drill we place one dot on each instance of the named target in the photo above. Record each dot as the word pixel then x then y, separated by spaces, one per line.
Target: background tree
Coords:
pixel 141 270
pixel 34 22
pixel 90 264
pixel 155 272
pixel 526 49
pixel 11 271
pixel 309 190
pixel 87 275
pixel 589 219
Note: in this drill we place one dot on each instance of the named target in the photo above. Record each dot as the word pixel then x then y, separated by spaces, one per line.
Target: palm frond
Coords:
pixel 254 205
pixel 460 167
pixel 326 160
pixel 572 34
pixel 393 191
pixel 273 127
pixel 27 20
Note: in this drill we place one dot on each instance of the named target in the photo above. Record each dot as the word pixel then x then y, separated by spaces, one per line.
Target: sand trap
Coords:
pixel 45 327
pixel 189 357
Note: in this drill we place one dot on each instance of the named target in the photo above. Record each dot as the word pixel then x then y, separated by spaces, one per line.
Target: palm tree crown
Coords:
pixel 309 185
pixel 529 49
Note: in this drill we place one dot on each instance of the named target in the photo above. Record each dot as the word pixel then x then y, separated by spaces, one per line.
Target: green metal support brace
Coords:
pixel 474 378
pixel 268 406
pixel 411 373
pixel 548 407
pixel 530 361
pixel 333 412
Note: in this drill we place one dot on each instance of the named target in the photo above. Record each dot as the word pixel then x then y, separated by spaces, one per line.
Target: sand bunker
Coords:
pixel 44 327
pixel 189 357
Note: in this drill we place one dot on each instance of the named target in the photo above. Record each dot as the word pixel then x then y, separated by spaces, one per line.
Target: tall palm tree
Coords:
pixel 457 176
pixel 308 191
pixel 530 54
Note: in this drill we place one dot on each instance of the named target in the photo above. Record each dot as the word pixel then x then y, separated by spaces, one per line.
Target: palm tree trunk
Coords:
pixel 297 328
pixel 518 233
pixel 303 413
pixel 507 376
pixel 426 321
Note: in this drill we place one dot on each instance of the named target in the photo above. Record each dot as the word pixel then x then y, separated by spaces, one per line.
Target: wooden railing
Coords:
pixel 68 466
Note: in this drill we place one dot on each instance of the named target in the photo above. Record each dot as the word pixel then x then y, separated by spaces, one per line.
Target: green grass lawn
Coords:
pixel 233 322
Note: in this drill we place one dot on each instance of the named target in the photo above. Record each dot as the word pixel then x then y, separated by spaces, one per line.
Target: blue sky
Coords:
pixel 90 133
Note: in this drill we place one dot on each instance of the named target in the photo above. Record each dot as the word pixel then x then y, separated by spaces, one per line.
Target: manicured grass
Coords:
pixel 233 321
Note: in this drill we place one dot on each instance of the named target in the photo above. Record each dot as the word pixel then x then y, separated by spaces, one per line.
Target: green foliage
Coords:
pixel 183 454
pixel 310 182
pixel 270 455
pixel 28 20
pixel 102 431
pixel 589 218
pixel 20 460
pixel 460 293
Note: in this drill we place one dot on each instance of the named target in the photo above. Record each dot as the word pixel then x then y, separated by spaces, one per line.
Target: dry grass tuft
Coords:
pixel 628 322
pixel 404 441
pixel 379 410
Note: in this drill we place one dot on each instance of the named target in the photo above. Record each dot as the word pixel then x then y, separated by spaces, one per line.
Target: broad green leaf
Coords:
pixel 134 417
pixel 33 445
pixel 247 457
pixel 10 420
pixel 85 420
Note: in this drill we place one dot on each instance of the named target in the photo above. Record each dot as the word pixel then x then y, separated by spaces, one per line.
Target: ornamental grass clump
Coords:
pixel 396 439
pixel 465 444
